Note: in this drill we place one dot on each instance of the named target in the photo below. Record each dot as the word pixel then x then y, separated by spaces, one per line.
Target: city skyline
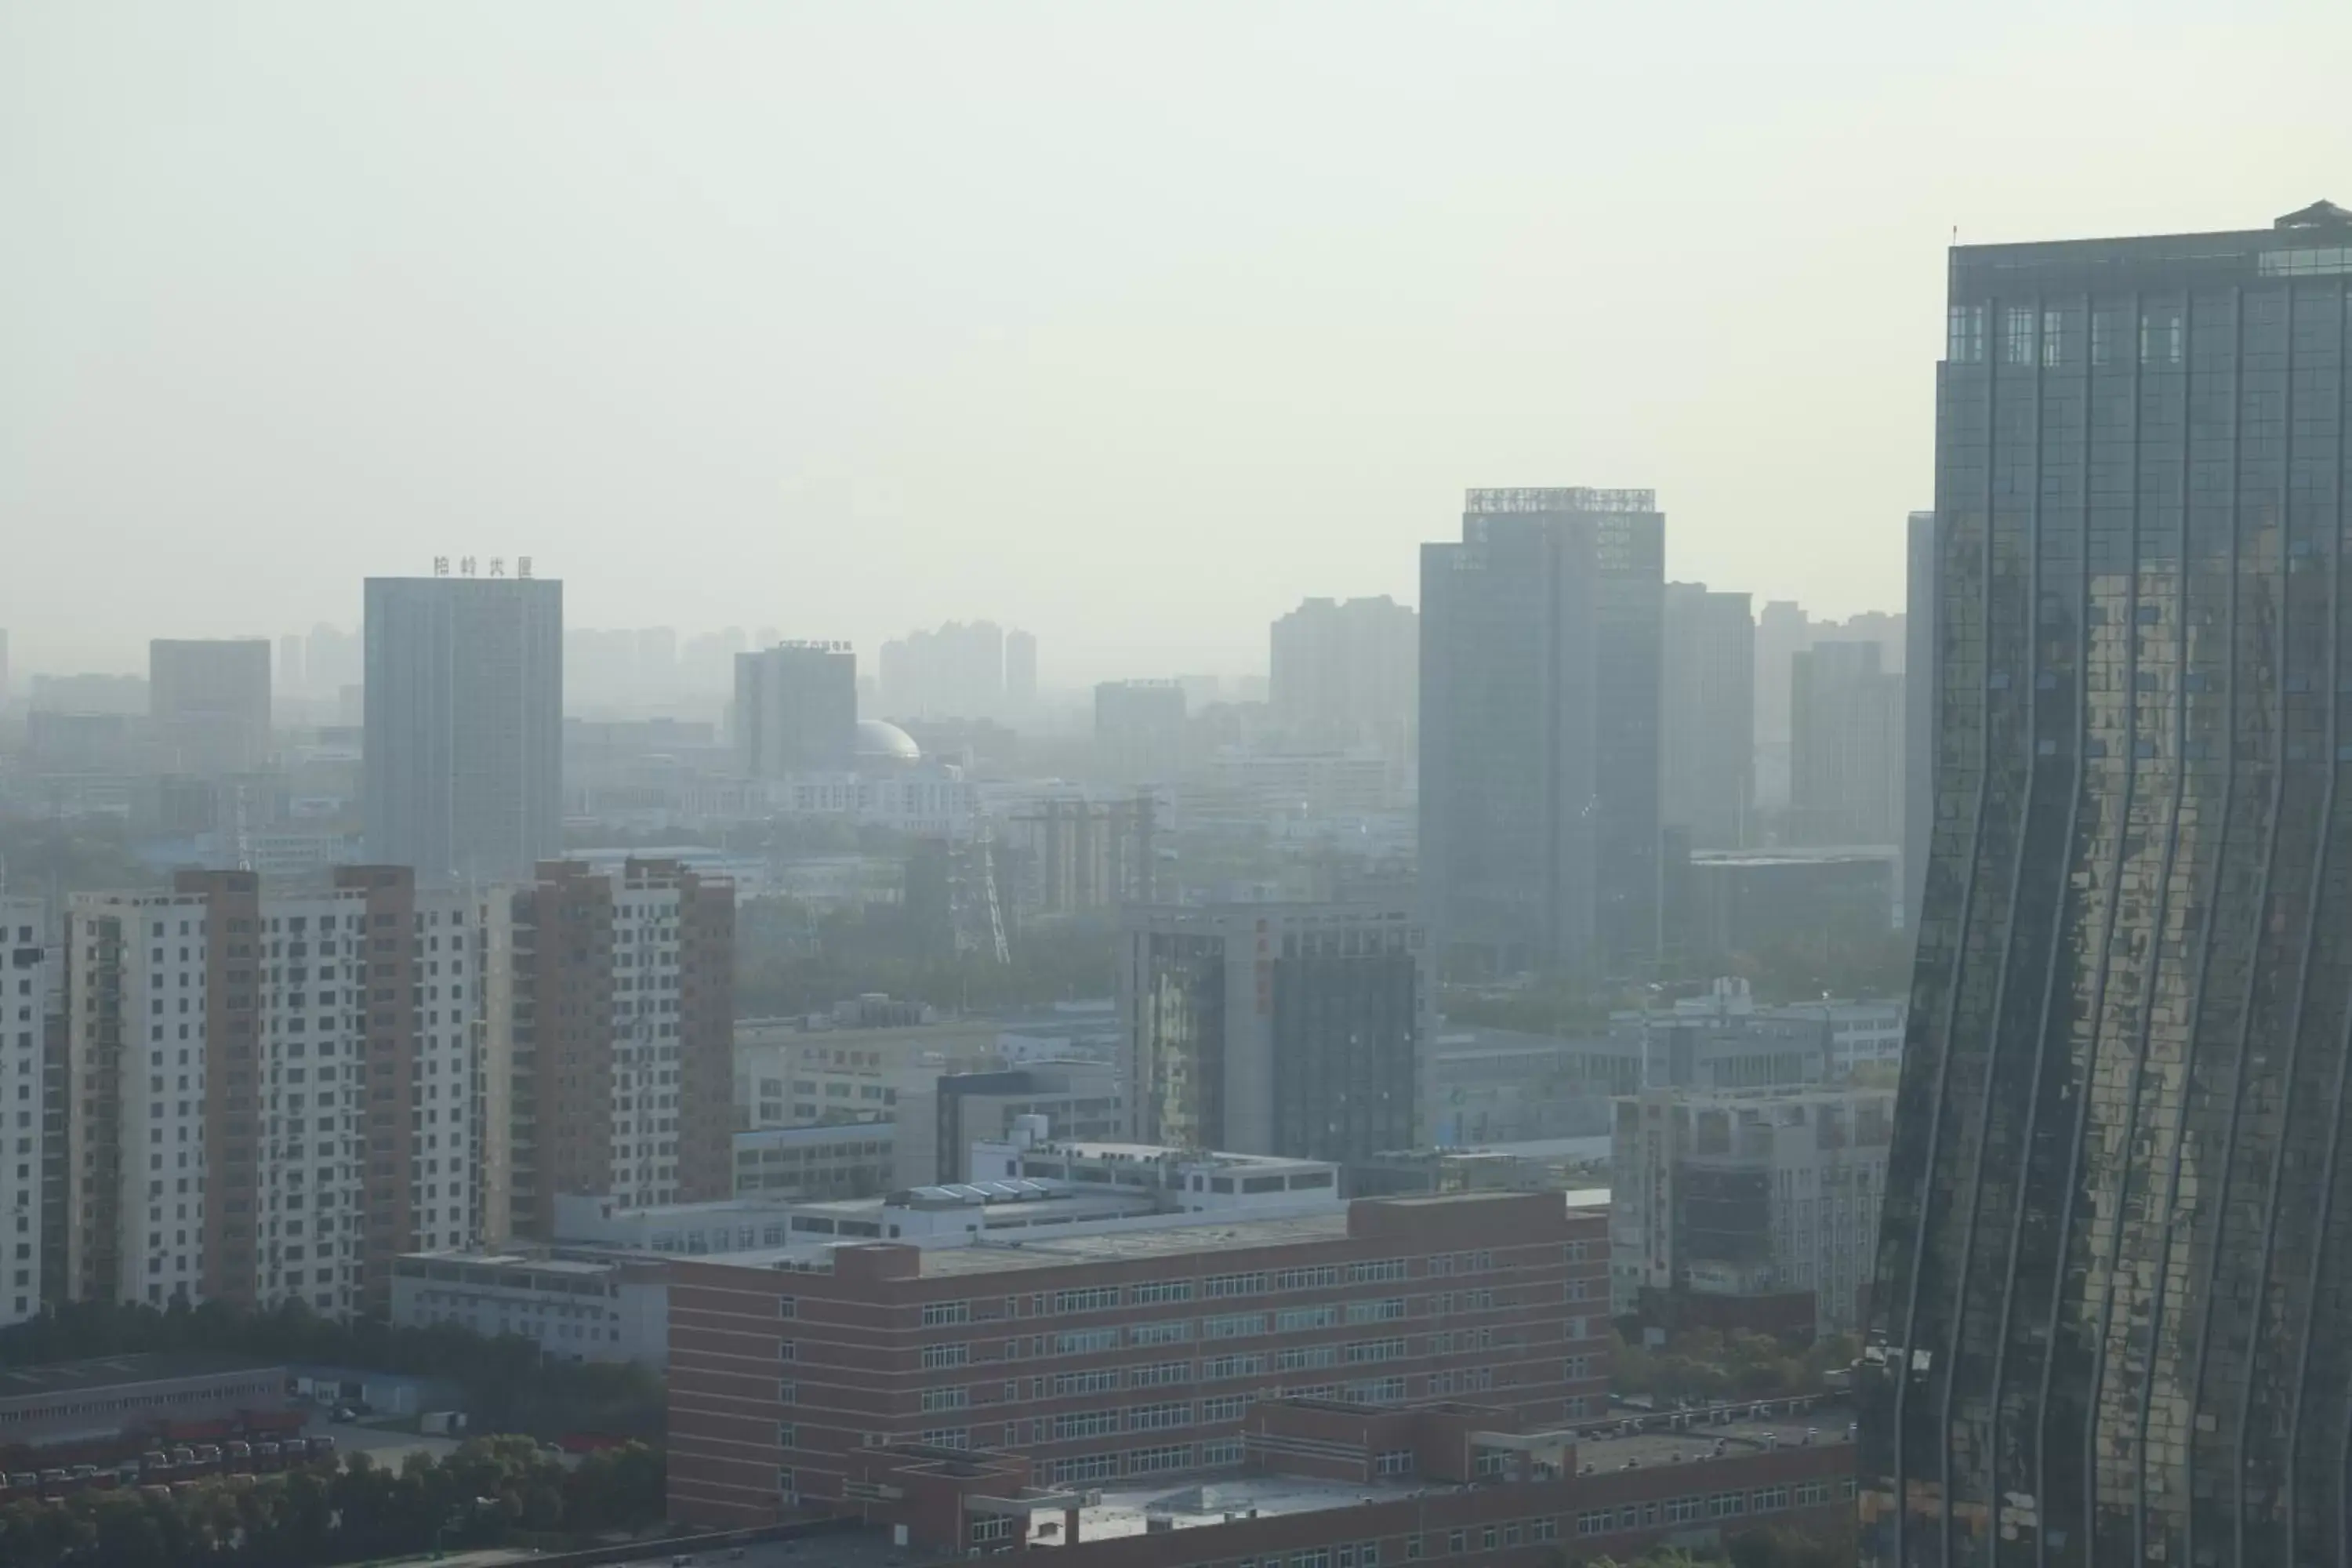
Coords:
pixel 1318 786
pixel 826 392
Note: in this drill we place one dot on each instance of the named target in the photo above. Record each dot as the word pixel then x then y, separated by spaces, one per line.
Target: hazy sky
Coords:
pixel 1128 322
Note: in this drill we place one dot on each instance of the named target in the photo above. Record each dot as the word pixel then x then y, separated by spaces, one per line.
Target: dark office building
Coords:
pixel 1290 1029
pixel 2114 1272
pixel 1918 710
pixel 1540 644
pixel 795 709
pixel 463 760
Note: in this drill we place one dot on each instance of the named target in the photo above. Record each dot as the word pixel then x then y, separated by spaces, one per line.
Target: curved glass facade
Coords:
pixel 2112 1315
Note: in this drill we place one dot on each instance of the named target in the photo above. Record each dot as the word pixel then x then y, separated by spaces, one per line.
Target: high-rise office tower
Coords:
pixel 607 1064
pixel 2114 1268
pixel 1346 672
pixel 271 1095
pixel 1918 710
pixel 795 709
pixel 1292 1029
pixel 462 770
pixel 1540 652
pixel 1845 751
pixel 1140 731
pixel 25 983
pixel 1706 737
pixel 1019 670
pixel 208 701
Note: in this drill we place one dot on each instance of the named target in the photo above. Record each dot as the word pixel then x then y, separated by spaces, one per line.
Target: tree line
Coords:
pixel 488 1493
pixel 789 959
pixel 506 1384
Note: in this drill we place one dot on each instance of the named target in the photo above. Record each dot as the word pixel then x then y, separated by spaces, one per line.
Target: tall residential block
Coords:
pixel 208 703
pixel 2116 1262
pixel 1846 746
pixel 462 774
pixel 271 1095
pixel 1346 672
pixel 1540 683
pixel 1918 710
pixel 1706 738
pixel 795 709
pixel 1291 1029
pixel 25 978
pixel 606 1063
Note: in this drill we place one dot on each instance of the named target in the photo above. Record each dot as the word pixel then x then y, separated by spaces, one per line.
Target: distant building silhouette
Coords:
pixel 1707 716
pixel 1846 748
pixel 208 703
pixel 1139 731
pixel 1346 672
pixel 1020 669
pixel 1918 710
pixel 795 709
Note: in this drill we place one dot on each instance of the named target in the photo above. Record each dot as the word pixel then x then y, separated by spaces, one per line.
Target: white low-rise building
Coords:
pixel 1756 1194
pixel 600 1292
pixel 574 1309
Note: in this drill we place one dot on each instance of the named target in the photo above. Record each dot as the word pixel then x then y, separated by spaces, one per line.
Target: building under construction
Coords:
pixel 1076 855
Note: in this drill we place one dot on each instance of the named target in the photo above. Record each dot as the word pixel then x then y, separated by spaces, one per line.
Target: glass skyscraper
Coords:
pixel 1540 674
pixel 2113 1303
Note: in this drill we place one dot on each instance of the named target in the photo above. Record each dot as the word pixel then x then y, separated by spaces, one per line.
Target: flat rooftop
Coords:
pixel 1128 1510
pixel 107 1371
pixel 1128 1245
pixel 1148 1153
pixel 1826 1425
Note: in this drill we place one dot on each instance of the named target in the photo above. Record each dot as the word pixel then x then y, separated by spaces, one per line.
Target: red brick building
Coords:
pixel 1332 1485
pixel 1132 1352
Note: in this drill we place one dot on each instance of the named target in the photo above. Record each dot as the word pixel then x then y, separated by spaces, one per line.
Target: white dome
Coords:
pixel 880 740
